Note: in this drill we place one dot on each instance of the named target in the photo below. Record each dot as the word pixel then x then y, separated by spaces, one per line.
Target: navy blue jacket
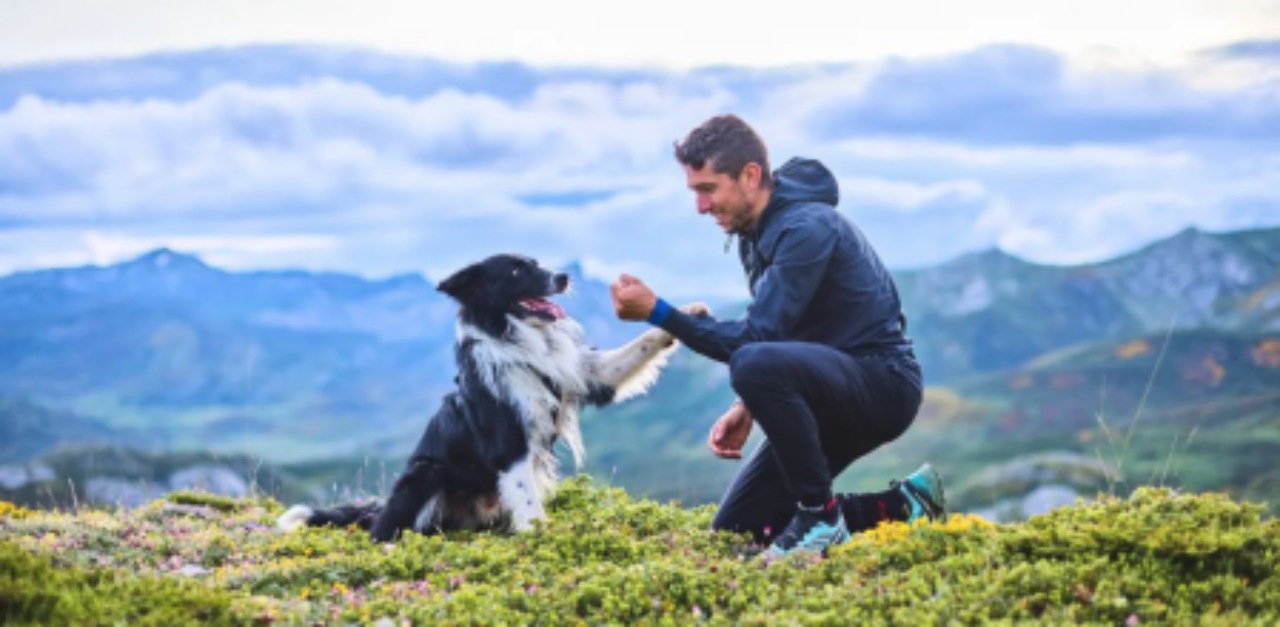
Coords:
pixel 813 277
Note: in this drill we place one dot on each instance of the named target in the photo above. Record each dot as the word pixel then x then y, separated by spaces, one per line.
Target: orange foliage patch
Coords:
pixel 1267 353
pixel 1208 372
pixel 1133 349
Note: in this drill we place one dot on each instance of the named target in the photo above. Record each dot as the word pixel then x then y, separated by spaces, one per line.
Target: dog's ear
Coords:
pixel 461 281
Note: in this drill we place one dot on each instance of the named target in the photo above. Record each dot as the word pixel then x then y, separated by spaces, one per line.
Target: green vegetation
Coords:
pixel 605 558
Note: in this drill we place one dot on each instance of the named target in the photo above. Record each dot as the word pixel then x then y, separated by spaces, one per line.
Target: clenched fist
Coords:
pixel 632 299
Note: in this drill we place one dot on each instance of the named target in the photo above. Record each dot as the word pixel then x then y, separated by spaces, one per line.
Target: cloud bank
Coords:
pixel 344 160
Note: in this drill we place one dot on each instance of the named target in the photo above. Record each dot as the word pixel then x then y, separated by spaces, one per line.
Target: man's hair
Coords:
pixel 728 144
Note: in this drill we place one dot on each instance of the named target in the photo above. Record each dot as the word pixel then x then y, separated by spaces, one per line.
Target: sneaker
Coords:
pixel 923 491
pixel 808 532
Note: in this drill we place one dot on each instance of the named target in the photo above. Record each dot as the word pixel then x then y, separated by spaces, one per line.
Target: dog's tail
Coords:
pixel 340 516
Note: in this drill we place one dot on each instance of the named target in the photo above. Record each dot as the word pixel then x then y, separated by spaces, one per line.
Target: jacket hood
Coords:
pixel 804 180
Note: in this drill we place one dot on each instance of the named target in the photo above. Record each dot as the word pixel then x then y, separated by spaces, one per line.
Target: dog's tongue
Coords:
pixel 543 305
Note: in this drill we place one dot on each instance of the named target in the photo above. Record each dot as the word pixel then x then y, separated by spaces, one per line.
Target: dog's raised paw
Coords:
pixel 696 309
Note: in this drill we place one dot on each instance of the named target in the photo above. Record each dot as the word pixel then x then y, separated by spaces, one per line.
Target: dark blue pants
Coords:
pixel 820 409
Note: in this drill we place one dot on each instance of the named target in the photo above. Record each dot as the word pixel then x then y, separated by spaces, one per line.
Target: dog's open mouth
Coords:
pixel 542 308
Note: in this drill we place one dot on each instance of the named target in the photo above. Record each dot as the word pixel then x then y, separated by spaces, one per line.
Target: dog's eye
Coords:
pixel 515 272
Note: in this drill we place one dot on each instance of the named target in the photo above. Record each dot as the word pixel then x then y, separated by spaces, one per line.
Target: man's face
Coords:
pixel 730 201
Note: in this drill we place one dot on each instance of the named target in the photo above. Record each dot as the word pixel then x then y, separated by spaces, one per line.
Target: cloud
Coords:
pixel 908 196
pixel 1264 48
pixel 346 160
pixel 1013 95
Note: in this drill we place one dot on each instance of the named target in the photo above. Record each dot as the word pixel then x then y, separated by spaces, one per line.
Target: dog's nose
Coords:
pixel 562 281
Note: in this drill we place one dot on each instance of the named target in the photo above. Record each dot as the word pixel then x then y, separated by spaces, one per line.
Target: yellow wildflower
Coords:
pixel 13 510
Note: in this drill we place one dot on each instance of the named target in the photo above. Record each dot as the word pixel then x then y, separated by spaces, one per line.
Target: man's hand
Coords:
pixel 730 432
pixel 632 299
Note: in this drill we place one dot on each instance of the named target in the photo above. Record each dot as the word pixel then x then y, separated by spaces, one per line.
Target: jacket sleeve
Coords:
pixel 783 293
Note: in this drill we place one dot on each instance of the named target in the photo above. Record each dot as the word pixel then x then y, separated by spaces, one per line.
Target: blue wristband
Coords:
pixel 660 312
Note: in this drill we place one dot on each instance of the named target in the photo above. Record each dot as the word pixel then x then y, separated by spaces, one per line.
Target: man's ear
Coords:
pixel 461 281
pixel 751 175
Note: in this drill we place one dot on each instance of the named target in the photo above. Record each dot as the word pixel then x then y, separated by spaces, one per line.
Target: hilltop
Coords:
pixel 603 557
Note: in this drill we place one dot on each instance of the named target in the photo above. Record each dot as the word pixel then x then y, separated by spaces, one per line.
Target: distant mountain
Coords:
pixel 278 363
pixel 166 351
pixel 990 311
pixel 404 307
pixel 27 431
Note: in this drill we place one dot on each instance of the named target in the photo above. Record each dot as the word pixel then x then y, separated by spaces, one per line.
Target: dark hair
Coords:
pixel 729 144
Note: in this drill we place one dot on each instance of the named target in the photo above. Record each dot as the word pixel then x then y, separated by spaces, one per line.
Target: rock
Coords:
pixel 1021 475
pixel 1038 501
pixel 18 477
pixel 216 479
pixel 117 491
pixel 198 511
pixel 1047 497
pixel 191 570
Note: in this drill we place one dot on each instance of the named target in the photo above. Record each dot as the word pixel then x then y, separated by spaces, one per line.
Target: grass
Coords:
pixel 606 558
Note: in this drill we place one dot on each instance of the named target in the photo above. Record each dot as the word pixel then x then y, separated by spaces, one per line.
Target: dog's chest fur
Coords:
pixel 538 370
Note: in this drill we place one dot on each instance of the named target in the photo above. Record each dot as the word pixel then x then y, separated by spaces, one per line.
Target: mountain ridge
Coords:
pixel 282 364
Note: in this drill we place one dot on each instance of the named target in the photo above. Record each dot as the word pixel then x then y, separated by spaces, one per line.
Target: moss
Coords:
pixel 212 501
pixel 605 558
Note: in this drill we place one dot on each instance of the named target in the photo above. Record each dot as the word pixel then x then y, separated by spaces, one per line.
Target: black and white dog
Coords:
pixel 486 459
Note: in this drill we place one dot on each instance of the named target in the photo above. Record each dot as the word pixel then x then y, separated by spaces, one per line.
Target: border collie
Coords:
pixel 486 459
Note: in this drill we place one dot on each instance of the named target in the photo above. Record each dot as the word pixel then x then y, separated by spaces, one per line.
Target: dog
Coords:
pixel 524 372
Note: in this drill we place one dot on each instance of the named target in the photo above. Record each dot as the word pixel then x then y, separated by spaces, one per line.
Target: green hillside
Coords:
pixel 1210 411
pixel 1197 409
pixel 1210 408
pixel 332 377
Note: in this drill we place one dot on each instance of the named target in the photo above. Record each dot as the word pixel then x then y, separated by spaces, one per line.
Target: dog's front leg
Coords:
pixel 630 370
pixel 520 496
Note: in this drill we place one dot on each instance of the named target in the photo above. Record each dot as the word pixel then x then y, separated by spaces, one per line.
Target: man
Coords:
pixel 820 360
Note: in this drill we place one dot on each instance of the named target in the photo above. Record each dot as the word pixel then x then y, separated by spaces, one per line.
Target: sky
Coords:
pixel 382 138
pixel 665 33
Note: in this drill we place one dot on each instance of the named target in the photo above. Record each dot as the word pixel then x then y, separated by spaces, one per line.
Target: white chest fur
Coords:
pixel 517 369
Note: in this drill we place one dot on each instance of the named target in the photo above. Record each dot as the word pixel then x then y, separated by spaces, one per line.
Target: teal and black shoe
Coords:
pixel 809 532
pixel 923 491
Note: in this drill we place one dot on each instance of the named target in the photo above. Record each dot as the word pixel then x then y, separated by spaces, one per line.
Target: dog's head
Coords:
pixel 508 284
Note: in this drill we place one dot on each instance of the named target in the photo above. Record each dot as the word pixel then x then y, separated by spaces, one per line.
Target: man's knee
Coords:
pixel 753 364
pixel 726 521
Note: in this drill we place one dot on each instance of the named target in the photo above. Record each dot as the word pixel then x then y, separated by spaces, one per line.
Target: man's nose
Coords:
pixel 704 205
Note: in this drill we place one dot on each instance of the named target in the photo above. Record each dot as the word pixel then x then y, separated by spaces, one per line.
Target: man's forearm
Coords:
pixel 705 335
